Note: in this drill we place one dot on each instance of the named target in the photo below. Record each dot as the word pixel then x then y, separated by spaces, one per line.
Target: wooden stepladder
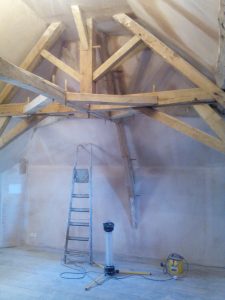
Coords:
pixel 78 244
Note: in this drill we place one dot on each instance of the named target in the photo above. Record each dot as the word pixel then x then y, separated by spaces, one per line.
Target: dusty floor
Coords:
pixel 28 274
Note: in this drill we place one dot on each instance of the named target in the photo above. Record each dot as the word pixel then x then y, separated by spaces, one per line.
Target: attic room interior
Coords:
pixel 112 149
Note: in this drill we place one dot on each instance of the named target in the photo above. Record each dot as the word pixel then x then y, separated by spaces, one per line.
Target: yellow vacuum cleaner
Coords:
pixel 174 264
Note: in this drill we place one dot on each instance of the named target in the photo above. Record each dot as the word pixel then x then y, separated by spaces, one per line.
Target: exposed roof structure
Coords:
pixel 55 100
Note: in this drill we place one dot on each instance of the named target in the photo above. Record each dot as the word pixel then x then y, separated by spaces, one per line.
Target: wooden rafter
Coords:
pixel 81 27
pixel 172 58
pixel 12 74
pixel 184 128
pixel 213 119
pixel 47 39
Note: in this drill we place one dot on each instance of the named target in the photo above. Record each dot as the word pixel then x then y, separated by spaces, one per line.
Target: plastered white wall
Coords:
pixel 180 184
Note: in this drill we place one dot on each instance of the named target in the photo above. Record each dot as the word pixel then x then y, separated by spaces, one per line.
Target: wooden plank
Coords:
pixel 61 65
pixel 17 76
pixel 88 98
pixel 17 110
pixel 129 172
pixel 173 58
pixel 185 129
pixel 161 98
pixel 213 119
pixel 116 57
pixel 81 27
pixel 20 128
pixel 47 39
pixel 36 104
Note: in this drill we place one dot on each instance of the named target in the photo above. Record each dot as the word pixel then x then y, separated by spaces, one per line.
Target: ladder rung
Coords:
pixel 80 209
pixel 80 195
pixel 80 239
pixel 76 252
pixel 85 224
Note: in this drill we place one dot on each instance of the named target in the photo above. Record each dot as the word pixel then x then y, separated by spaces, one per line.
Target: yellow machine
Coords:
pixel 175 264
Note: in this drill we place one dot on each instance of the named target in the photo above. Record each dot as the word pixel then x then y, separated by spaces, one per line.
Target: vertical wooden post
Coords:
pixel 87 62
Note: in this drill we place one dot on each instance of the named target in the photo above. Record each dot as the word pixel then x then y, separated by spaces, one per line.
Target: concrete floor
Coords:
pixel 34 274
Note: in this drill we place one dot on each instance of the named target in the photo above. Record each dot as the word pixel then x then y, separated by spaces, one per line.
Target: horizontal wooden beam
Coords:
pixel 184 128
pixel 88 98
pixel 162 98
pixel 172 97
pixel 61 65
pixel 172 58
pixel 116 57
pixel 17 76
pixel 17 110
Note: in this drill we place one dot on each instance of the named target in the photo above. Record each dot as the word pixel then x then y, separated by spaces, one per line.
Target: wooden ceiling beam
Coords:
pixel 88 98
pixel 116 57
pixel 61 65
pixel 12 74
pixel 17 110
pixel 213 119
pixel 184 128
pixel 47 39
pixel 81 27
pixel 172 58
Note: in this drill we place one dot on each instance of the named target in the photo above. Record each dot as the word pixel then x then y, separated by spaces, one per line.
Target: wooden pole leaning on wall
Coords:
pixel 129 172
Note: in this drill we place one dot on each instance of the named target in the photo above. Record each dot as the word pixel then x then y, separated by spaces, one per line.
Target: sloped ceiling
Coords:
pixel 191 26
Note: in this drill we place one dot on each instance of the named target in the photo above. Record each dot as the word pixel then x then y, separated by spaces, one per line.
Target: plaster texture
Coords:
pixel 180 184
